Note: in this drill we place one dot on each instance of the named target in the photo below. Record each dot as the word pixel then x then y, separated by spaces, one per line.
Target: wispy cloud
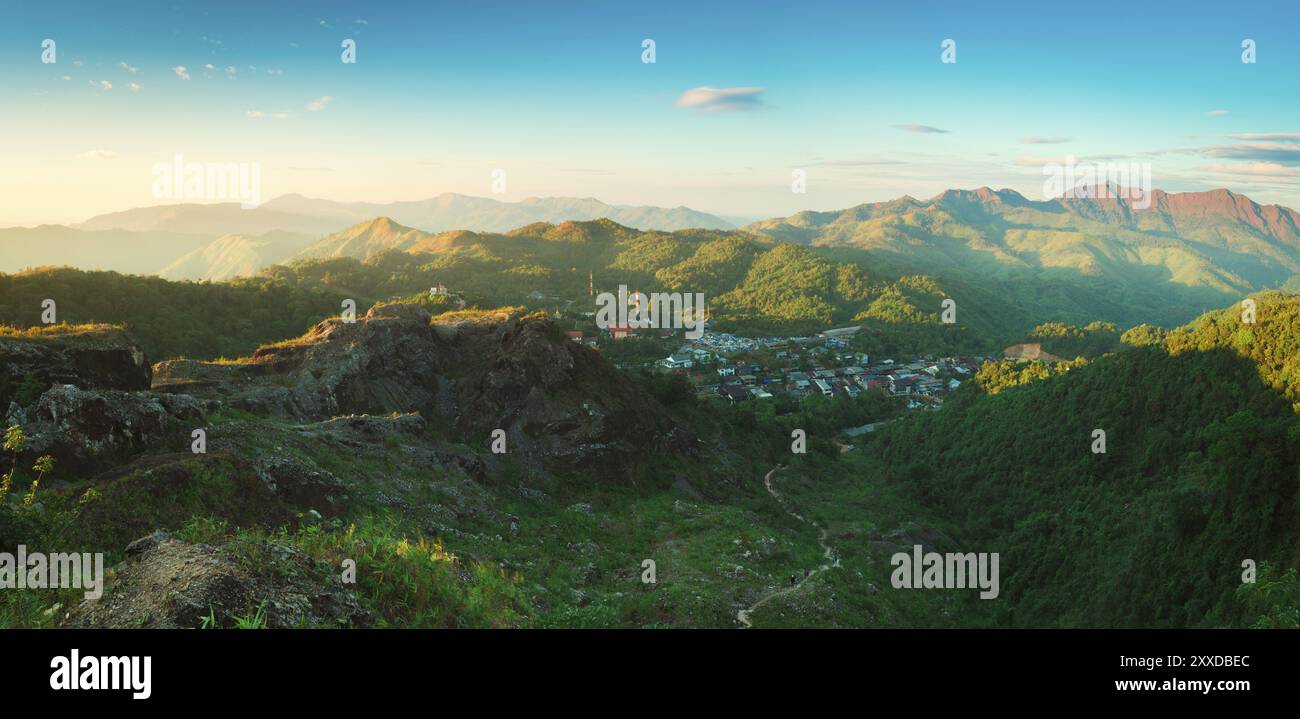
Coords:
pixel 922 129
pixel 1216 113
pixel 1036 161
pixel 721 99
pixel 1288 136
pixel 128 68
pixel 1041 140
pixel 1279 147
pixel 1255 169
pixel 854 163
pixel 319 103
pixel 182 72
pixel 1039 161
pixel 1287 152
pixel 134 86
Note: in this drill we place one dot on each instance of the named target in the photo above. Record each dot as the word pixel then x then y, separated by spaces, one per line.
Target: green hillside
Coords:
pixel 1200 473
pixel 1163 264
pixel 170 319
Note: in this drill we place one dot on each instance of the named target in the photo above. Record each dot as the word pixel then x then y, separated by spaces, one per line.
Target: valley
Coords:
pixel 332 443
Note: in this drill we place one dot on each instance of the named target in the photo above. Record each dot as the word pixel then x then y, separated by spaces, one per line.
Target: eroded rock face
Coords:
pixel 560 404
pixel 166 583
pixel 557 401
pixel 302 486
pixel 385 362
pixel 102 359
pixel 85 429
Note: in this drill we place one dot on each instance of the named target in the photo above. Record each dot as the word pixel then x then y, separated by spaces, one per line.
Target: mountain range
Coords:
pixel 1212 244
pixel 1076 259
pixel 448 211
pixel 220 241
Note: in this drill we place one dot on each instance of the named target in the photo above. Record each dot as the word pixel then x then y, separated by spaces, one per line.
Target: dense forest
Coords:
pixel 1199 473
pixel 172 319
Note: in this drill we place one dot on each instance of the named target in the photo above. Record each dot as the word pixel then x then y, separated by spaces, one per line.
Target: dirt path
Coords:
pixel 833 561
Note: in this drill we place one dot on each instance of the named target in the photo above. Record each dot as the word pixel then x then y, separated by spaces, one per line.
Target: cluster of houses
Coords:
pixel 714 347
pixel 923 382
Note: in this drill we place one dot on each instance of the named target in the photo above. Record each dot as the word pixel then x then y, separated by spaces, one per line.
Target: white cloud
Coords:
pixel 1286 136
pixel 1035 140
pixel 1216 113
pixel 128 68
pixel 134 86
pixel 182 72
pixel 1040 161
pixel 922 129
pixel 273 116
pixel 105 85
pixel 98 155
pixel 721 99
pixel 1255 169
pixel 319 103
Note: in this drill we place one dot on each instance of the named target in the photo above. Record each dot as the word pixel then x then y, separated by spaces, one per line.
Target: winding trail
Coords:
pixel 833 560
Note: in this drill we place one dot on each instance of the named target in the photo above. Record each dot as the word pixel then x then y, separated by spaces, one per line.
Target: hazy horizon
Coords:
pixel 561 101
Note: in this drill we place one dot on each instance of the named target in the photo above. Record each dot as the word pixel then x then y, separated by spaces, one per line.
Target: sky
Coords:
pixel 557 96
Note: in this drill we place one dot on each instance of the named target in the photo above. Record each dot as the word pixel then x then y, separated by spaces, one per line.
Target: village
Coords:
pixel 821 365
pixel 733 369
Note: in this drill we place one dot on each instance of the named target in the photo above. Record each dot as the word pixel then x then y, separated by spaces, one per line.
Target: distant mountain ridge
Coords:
pixel 365 238
pixel 448 211
pixel 231 256
pixel 220 241
pixel 1105 257
pixel 1203 247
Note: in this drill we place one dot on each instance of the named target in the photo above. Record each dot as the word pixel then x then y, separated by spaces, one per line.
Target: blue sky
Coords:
pixel 556 95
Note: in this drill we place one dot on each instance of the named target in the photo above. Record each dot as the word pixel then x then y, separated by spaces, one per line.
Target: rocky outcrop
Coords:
pixel 85 429
pixel 99 358
pixel 302 486
pixel 385 362
pixel 560 404
pixel 169 584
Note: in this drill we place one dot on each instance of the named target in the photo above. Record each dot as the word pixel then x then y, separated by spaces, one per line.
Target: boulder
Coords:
pixel 170 584
pixel 86 429
pixel 99 358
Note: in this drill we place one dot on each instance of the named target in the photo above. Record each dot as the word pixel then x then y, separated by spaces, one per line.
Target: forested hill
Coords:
pixel 171 319
pixel 1179 252
pixel 1199 474
pixel 752 284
